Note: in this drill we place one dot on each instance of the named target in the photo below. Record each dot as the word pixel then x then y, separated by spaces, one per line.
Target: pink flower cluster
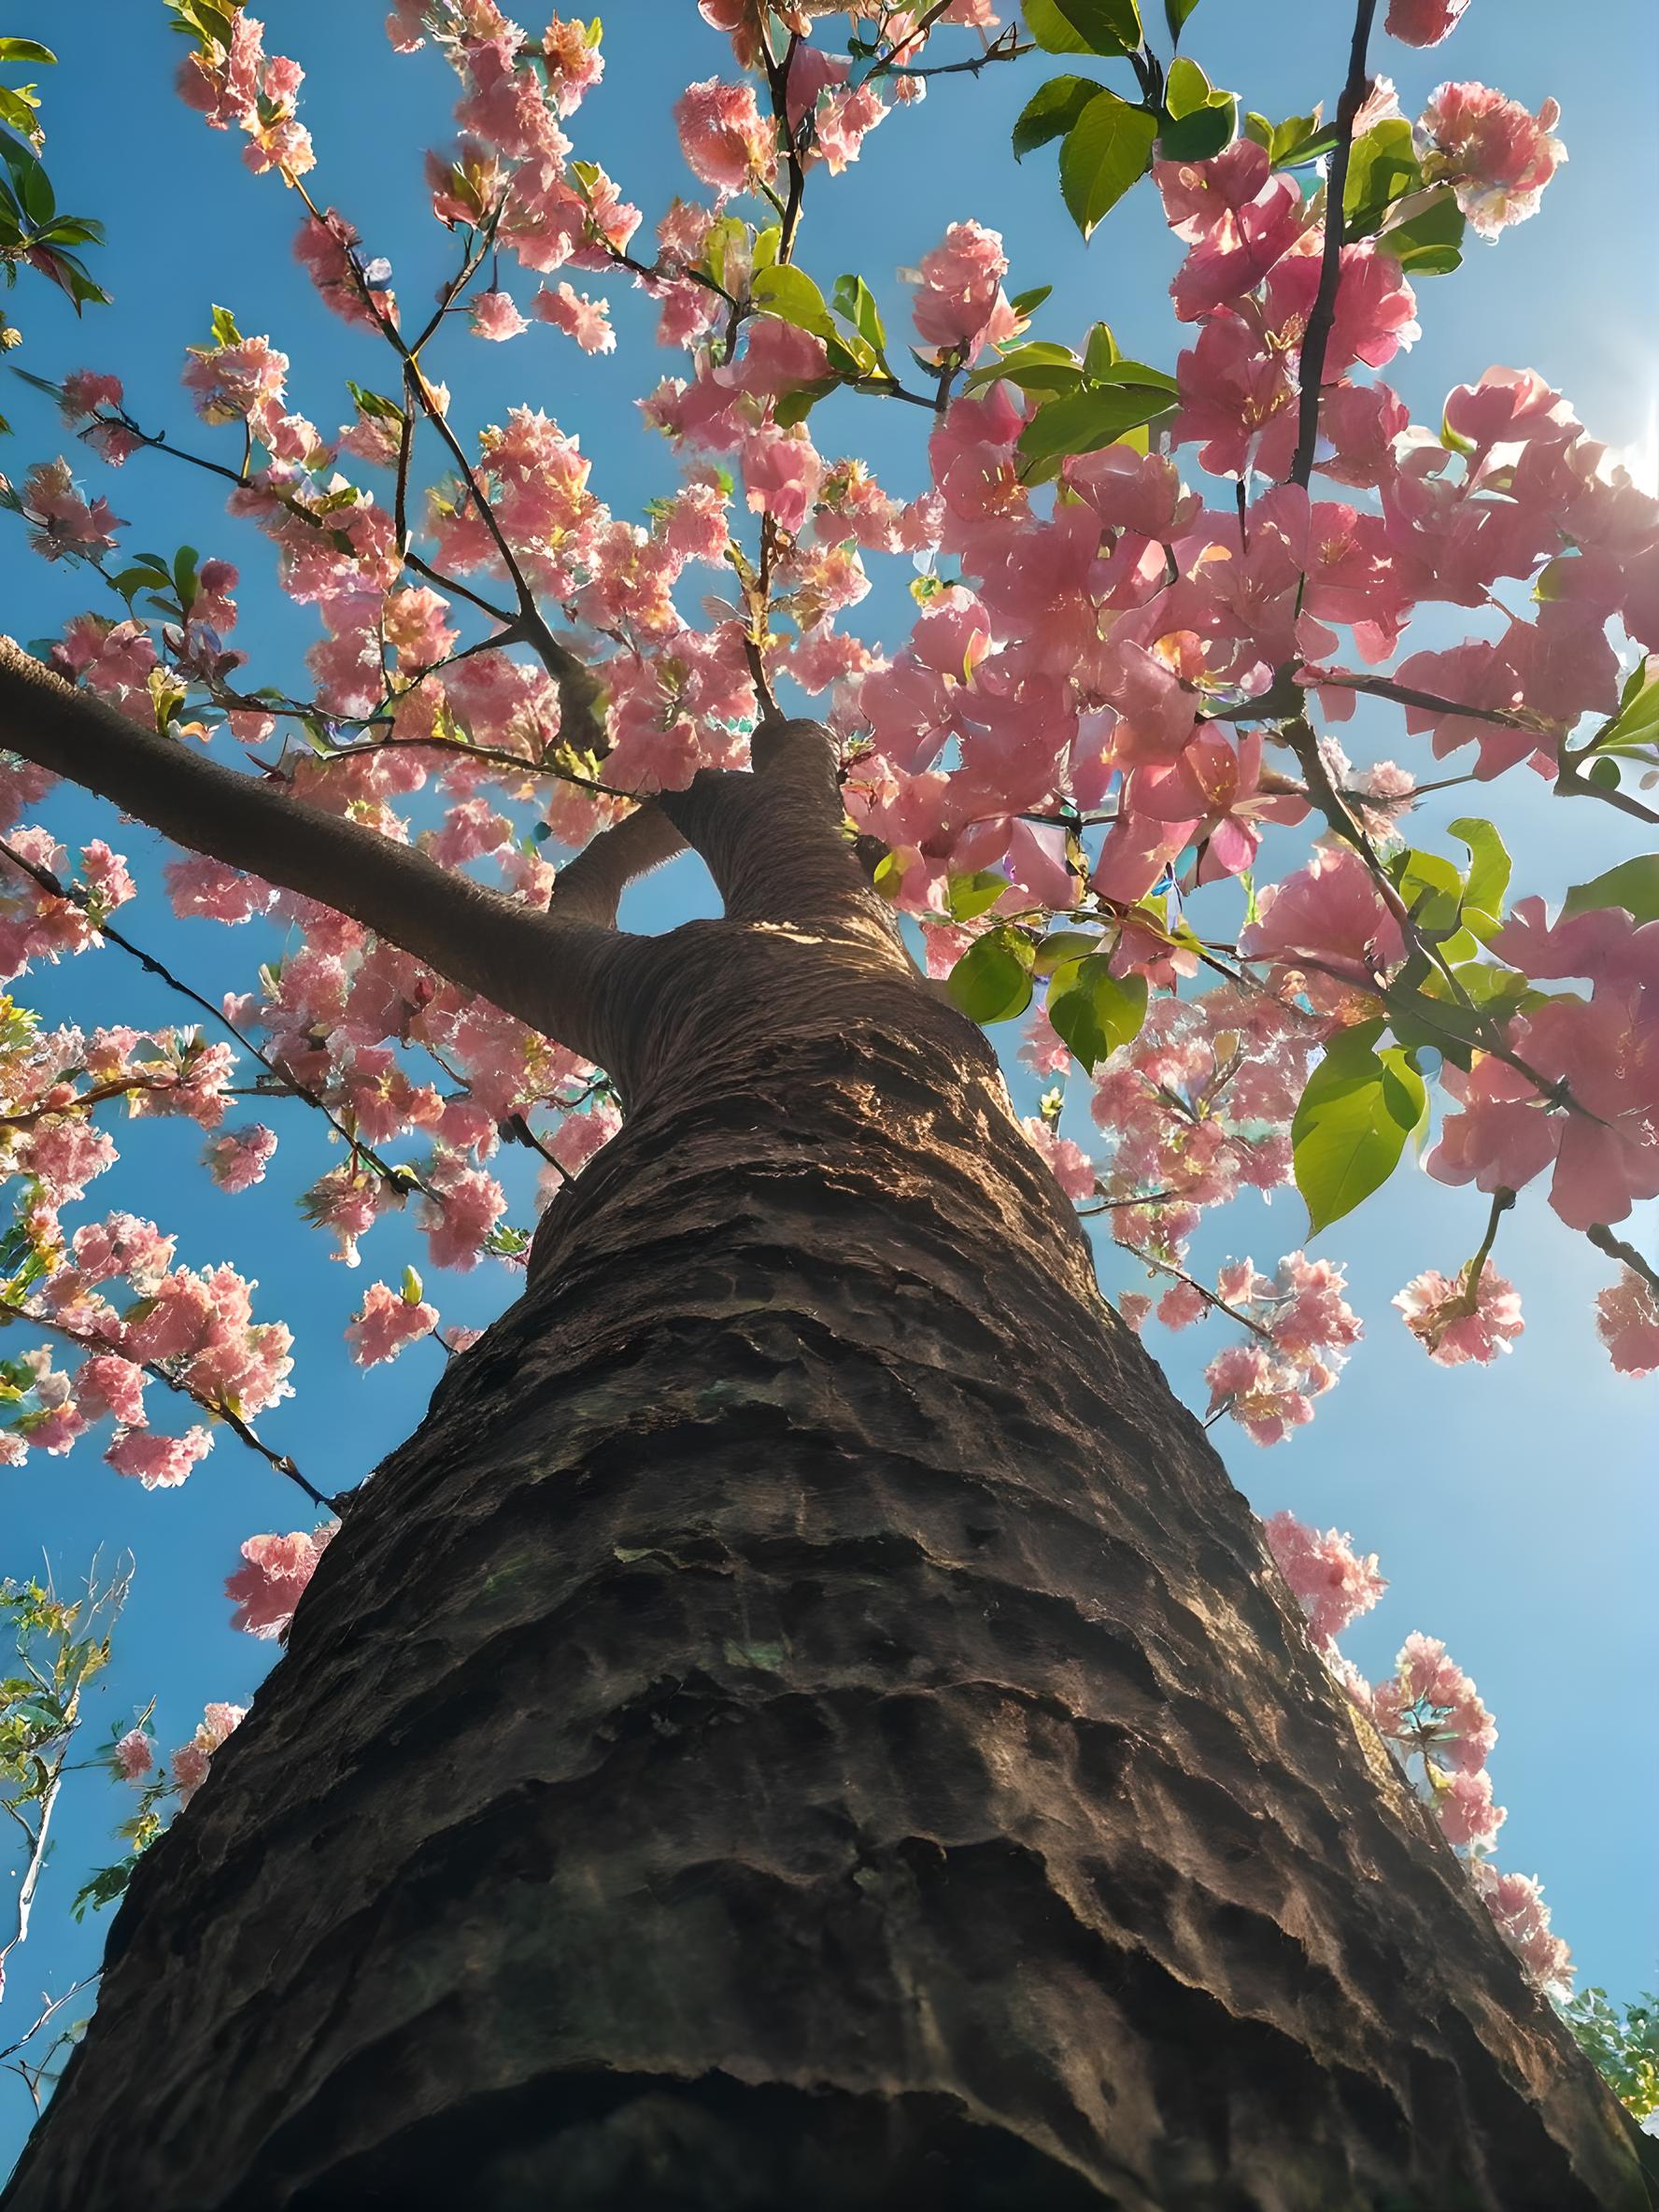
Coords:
pixel 1496 156
pixel 240 84
pixel 1429 1712
pixel 269 1583
pixel 190 1762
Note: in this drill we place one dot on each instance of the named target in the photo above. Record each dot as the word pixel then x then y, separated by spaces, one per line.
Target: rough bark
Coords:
pixel 808 1722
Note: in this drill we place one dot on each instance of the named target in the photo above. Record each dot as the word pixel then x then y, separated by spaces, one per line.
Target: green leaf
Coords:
pixel 1430 244
pixel 1382 169
pixel 1489 869
pixel 1175 15
pixel 727 232
pixel 1206 131
pixel 1431 886
pixel 1040 366
pixel 970 895
pixel 1197 118
pixel 225 328
pixel 790 295
pixel 1299 139
pixel 1634 884
pixel 1637 722
pixel 1100 354
pixel 17 110
pixel 854 300
pixel 1352 1124
pixel 1051 111
pixel 992 980
pixel 373 403
pixel 1086 26
pixel 1028 302
pixel 1106 150
pixel 1083 421
pixel 1093 1009
pixel 25 49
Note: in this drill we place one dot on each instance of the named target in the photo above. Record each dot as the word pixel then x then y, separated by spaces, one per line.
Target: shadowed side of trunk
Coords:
pixel 807 1722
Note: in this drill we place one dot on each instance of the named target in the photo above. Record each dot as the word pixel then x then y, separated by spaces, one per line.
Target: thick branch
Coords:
pixel 590 887
pixel 773 841
pixel 554 974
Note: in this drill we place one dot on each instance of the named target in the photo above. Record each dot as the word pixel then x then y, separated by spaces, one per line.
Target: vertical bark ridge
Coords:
pixel 807 1722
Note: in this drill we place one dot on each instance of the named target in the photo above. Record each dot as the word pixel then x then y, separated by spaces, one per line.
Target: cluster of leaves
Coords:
pixel 1622 2044
pixel 33 231
pixel 1107 143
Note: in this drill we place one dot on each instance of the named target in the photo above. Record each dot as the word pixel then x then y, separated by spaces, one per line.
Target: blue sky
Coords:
pixel 1513 1507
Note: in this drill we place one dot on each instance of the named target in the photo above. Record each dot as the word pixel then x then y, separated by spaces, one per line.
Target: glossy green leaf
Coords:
pixel 1488 876
pixel 1098 415
pixel 1107 150
pixel 1028 302
pixel 1051 111
pixel 790 295
pixel 1084 27
pixel 1430 243
pixel 1099 353
pixel 1381 167
pixel 855 302
pixel 1352 1124
pixel 992 980
pixel 1637 722
pixel 1093 1009
pixel 1175 15
pixel 1203 134
pixel 1040 366
pixel 970 895
pixel 1634 884
pixel 1432 888
pixel 25 49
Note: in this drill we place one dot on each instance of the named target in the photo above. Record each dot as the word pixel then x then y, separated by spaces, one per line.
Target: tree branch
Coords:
pixel 1316 337
pixel 553 975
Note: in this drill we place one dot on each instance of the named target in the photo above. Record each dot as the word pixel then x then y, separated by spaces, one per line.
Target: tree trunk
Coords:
pixel 807 1723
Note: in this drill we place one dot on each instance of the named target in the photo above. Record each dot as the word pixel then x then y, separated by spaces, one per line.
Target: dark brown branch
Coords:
pixel 553 975
pixel 1316 337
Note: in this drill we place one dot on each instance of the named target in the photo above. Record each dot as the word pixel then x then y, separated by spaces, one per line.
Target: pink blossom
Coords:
pixel 466 1206
pixel 133 1755
pixel 160 1463
pixel 1071 1167
pixel 959 306
pixel 1451 1326
pixel 326 245
pixel 237 1158
pixel 1262 1395
pixel 385 1323
pixel 266 1589
pixel 781 476
pixel 1496 156
pixel 83 391
pixel 1330 910
pixel 1327 1578
pixel 494 315
pixel 106 1383
pixel 1467 1816
pixel 587 321
pixel 189 1765
pixel 1423 22
pixel 1516 1904
pixel 1627 1322
pixel 726 141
